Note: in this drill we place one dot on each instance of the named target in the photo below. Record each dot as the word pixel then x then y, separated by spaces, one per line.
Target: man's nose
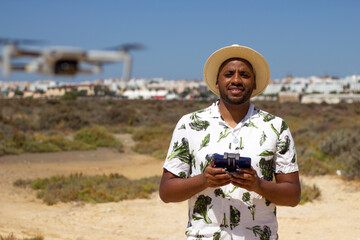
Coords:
pixel 236 78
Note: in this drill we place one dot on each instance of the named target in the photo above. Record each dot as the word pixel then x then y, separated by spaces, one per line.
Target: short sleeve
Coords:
pixel 179 158
pixel 285 157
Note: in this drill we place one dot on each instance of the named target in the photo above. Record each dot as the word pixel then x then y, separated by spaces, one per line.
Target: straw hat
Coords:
pixel 258 62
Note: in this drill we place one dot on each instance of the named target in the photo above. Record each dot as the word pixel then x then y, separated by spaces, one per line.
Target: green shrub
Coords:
pixel 150 133
pixel 312 166
pixel 39 183
pixel 344 146
pixel 62 117
pixel 153 140
pixel 350 162
pixel 341 140
pixel 22 183
pixel 92 189
pixel 68 145
pixel 40 146
pixel 157 148
pixel 309 193
pixel 18 138
pixel 123 113
pixel 70 95
pixel 54 143
pixel 97 136
pixel 8 147
pixel 12 237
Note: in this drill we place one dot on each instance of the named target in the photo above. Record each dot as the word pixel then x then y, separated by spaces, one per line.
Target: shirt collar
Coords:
pixel 215 112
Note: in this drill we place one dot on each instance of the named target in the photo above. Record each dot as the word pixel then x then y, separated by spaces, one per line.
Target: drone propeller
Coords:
pixel 127 47
pixel 9 41
pixel 11 50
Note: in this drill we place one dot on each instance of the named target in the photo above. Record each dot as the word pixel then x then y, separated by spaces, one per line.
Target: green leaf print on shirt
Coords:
pixel 264 233
pixel 266 169
pixel 199 236
pixel 266 153
pixel 198 124
pixel 275 131
pixel 284 126
pixel 234 217
pixel 217 235
pixel 219 192
pixel 205 142
pixel 182 174
pixel 284 145
pixel 201 207
pixel 263 138
pixel 275 211
pixel 251 206
pixel 249 124
pixel 207 162
pixel 181 151
pixel 267 117
pixel 224 134
pixel 241 145
pixel 224 223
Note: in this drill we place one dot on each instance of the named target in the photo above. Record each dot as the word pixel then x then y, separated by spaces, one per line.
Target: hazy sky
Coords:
pixel 302 38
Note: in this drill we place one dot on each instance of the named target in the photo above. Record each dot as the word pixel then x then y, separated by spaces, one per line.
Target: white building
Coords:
pixel 115 84
pixel 324 85
pixel 353 82
pixel 273 89
pixel 145 94
pixel 42 85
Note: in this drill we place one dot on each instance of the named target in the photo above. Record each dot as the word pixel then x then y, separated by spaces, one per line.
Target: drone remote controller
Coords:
pixel 231 161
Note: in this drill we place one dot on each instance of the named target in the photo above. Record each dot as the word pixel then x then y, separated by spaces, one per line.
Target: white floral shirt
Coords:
pixel 231 212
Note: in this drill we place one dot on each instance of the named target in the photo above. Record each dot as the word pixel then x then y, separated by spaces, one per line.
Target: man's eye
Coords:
pixel 245 75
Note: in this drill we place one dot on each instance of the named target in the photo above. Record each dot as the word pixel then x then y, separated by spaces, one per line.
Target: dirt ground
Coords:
pixel 335 216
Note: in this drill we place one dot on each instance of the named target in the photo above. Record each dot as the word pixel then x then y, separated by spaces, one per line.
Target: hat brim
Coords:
pixel 258 62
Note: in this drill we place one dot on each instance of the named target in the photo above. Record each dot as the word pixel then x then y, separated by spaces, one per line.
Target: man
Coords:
pixel 240 205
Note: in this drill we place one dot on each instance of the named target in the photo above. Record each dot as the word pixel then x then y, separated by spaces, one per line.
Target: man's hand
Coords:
pixel 216 177
pixel 285 191
pixel 246 178
pixel 176 189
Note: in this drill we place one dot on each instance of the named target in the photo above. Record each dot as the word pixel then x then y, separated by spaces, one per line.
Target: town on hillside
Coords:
pixel 313 89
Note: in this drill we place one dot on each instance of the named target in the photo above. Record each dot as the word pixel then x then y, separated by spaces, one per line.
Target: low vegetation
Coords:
pixel 326 136
pixel 309 193
pixel 153 140
pixel 109 188
pixel 87 138
pixel 12 237
pixel 90 189
pixel 97 136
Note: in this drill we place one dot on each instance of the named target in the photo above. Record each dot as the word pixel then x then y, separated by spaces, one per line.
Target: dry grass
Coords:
pixel 12 237
pixel 309 193
pixel 316 128
pixel 90 189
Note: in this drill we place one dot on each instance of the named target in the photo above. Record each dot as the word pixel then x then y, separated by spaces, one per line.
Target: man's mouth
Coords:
pixel 236 89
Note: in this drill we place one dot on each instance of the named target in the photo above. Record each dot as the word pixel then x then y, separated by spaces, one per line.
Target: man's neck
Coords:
pixel 233 113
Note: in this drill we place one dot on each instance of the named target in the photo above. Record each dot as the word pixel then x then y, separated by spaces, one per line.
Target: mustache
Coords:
pixel 236 85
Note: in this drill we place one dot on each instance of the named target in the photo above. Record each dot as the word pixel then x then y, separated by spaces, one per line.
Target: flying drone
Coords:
pixel 62 61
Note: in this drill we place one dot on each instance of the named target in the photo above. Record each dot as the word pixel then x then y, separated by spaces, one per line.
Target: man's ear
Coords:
pixel 254 82
pixel 217 84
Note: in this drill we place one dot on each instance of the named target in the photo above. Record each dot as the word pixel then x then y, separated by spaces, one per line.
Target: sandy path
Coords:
pixel 335 216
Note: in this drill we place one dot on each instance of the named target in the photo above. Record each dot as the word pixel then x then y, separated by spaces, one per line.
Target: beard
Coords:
pixel 236 100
